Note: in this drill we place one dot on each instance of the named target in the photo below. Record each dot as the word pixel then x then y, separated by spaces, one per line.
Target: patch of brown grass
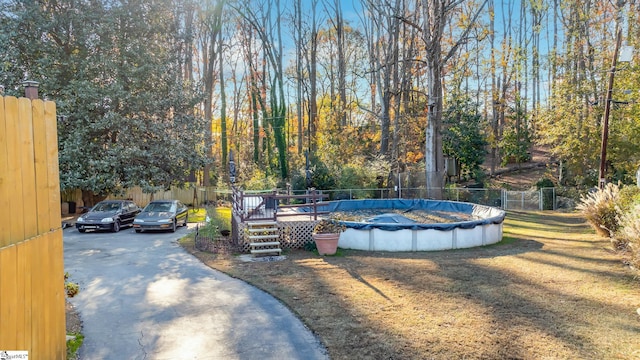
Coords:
pixel 551 290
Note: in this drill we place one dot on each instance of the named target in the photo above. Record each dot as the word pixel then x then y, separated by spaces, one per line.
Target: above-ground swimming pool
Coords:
pixel 394 232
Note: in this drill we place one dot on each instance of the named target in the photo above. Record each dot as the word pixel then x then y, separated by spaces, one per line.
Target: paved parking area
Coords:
pixel 143 297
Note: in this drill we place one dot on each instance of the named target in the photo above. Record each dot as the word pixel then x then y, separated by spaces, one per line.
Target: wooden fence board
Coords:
pixel 14 170
pixel 5 193
pixel 9 299
pixel 41 211
pixel 58 325
pixel 53 172
pixel 46 314
pixel 23 289
pixel 38 296
pixel 25 136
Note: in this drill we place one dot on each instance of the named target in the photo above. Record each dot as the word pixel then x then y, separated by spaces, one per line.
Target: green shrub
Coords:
pixel 480 176
pixel 218 219
pixel 628 198
pixel 71 288
pixel 514 146
pixel 261 181
pixel 628 236
pixel 544 183
pixel 310 246
pixel 601 210
pixel 352 177
pixel 629 229
pixel 547 194
pixel 73 345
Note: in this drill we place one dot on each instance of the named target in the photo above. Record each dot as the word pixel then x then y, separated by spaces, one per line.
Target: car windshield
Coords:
pixel 107 207
pixel 160 207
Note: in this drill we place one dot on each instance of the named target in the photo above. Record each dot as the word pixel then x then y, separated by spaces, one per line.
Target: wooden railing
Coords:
pixel 271 206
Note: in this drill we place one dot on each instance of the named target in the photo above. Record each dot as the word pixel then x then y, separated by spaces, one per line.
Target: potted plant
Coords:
pixel 326 234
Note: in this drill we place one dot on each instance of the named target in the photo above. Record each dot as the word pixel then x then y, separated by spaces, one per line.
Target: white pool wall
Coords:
pixel 420 240
pixel 454 235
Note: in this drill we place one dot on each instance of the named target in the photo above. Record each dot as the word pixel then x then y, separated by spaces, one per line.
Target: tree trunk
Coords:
pixel 342 88
pixel 299 74
pixel 313 84
pixel 89 199
pixel 223 108
pixel 434 156
pixel 434 18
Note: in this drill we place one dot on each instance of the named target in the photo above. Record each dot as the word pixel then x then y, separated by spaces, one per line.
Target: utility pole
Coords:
pixel 607 111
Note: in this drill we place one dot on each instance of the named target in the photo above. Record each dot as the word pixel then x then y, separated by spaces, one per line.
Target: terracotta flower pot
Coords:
pixel 327 244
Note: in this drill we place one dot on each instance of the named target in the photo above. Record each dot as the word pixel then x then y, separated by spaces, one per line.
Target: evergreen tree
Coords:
pixel 126 117
pixel 462 137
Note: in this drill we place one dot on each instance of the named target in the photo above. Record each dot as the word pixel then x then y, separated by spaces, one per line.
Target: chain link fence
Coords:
pixel 543 199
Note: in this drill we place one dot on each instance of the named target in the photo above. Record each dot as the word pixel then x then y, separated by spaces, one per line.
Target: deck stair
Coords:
pixel 263 238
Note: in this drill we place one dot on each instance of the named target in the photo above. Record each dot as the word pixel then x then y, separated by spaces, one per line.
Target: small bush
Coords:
pixel 601 210
pixel 71 288
pixel 544 183
pixel 628 236
pixel 310 246
pixel 73 345
pixel 218 219
pixel 547 195
pixel 629 196
pixel 629 229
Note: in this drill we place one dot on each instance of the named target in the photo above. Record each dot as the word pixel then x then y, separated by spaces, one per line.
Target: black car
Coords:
pixel 108 215
pixel 162 215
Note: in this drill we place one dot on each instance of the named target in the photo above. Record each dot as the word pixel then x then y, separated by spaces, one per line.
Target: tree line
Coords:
pixel 324 93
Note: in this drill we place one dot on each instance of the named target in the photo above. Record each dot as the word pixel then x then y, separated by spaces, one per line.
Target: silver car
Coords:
pixel 162 215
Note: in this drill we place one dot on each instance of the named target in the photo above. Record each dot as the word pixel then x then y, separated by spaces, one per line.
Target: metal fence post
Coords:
pixel 540 204
pixel 504 199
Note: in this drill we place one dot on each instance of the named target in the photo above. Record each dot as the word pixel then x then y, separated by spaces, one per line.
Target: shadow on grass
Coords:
pixel 525 297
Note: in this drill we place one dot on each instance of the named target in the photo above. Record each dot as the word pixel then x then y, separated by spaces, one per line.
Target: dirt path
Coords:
pixel 522 176
pixel 551 290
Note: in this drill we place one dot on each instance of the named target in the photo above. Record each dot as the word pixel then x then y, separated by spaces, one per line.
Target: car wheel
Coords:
pixel 174 225
pixel 186 218
pixel 138 230
pixel 81 230
pixel 116 226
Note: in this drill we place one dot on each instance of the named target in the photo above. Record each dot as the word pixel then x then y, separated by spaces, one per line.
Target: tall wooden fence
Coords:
pixel 32 297
pixel 193 196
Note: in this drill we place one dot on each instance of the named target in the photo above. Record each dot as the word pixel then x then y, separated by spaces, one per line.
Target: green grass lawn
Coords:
pixel 224 213
pixel 552 289
pixel 197 215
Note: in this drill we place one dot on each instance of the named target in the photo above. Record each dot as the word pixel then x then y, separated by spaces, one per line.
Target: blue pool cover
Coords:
pixel 390 218
pixel 393 222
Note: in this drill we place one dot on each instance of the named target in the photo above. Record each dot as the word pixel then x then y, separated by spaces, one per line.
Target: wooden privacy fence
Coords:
pixel 32 297
pixel 195 196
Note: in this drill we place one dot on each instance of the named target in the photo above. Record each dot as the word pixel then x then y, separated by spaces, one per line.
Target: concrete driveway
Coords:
pixel 143 297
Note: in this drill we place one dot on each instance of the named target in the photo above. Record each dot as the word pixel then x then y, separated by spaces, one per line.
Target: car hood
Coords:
pixel 152 215
pixel 96 215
